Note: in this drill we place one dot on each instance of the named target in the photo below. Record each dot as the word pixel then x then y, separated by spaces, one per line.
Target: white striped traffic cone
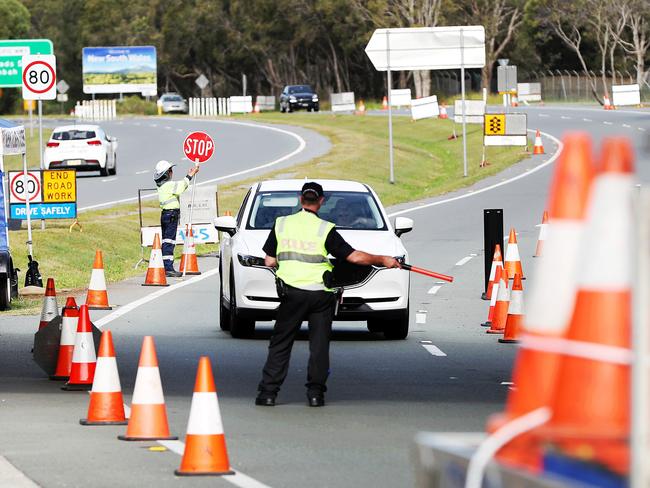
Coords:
pixel 512 261
pixel 148 420
pixel 188 259
pixel 156 270
pixel 493 299
pixel 543 229
pixel 69 323
pixel 106 404
pixel 501 306
pixel 50 308
pixel 552 297
pixel 97 298
pixel 497 260
pixel 515 313
pixel 205 445
pixel 84 359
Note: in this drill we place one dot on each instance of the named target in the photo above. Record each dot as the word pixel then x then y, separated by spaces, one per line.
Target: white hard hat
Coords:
pixel 161 168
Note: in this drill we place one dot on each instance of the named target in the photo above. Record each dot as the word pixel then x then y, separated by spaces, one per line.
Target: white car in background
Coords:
pixel 81 147
pixel 247 288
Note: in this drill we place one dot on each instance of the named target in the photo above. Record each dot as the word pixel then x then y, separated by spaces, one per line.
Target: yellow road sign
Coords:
pixel 60 186
pixel 495 124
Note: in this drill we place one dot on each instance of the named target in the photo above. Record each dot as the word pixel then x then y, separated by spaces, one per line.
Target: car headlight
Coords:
pixel 314 98
pixel 292 99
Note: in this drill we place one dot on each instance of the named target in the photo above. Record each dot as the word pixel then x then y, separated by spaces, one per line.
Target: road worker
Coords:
pixel 169 194
pixel 299 245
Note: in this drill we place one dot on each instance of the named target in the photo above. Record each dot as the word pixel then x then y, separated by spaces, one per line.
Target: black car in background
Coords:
pixel 294 97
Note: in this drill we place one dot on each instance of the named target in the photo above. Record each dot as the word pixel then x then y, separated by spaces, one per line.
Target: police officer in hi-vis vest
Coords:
pixel 169 194
pixel 298 245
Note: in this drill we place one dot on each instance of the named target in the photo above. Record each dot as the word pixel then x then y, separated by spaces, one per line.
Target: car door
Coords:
pixel 230 242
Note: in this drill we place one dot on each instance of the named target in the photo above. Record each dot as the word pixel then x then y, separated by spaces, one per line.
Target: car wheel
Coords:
pixel 104 171
pixel 282 108
pixel 113 170
pixel 316 109
pixel 239 328
pixel 5 291
pixel 224 313
pixel 397 329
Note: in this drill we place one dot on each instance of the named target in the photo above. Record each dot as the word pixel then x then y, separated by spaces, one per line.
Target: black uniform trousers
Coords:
pixel 318 308
pixel 169 225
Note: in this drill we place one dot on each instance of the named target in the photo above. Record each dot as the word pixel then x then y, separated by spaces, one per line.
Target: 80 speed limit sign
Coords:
pixel 39 77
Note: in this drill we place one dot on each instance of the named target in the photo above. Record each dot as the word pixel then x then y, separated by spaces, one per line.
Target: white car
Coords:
pixel 247 288
pixel 81 147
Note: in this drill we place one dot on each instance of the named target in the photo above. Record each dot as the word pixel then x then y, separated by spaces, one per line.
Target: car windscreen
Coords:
pixel 73 135
pixel 172 98
pixel 348 210
pixel 300 89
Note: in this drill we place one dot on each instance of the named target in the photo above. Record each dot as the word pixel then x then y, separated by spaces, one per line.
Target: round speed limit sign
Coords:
pixel 39 77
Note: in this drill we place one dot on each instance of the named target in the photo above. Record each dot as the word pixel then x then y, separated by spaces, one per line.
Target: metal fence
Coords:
pixel 557 85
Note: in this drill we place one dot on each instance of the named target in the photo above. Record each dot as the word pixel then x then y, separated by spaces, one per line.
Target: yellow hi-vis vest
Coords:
pixel 301 254
pixel 169 193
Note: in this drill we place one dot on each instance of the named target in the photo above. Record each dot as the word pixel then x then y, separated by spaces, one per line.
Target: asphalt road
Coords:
pixel 381 392
pixel 143 141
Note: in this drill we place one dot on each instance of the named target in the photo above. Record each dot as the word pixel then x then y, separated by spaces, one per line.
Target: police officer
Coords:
pixel 299 245
pixel 169 194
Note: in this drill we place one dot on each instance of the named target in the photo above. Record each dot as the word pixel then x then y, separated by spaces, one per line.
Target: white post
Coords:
pixel 462 97
pixel 31 120
pixel 639 429
pixel 389 83
pixel 5 195
pixel 30 250
pixel 40 132
pixel 228 106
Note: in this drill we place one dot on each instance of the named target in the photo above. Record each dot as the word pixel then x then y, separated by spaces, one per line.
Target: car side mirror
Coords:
pixel 403 225
pixel 227 224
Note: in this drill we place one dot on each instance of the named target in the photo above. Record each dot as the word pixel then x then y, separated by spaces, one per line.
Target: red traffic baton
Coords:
pixel 426 272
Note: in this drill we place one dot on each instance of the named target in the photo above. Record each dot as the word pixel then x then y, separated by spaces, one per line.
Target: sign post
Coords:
pixel 427 48
pixel 198 148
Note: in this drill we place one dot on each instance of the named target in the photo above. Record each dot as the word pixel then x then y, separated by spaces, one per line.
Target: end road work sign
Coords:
pixel 51 194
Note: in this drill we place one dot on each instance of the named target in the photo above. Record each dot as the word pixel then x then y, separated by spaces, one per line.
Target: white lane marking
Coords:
pixel 142 172
pixel 433 350
pixel 464 260
pixel 473 254
pixel 12 476
pixel 157 294
pixel 179 130
pixel 154 125
pixel 544 115
pixel 627 126
pixel 551 160
pixel 587 120
pixel 607 122
pixel 426 342
pixel 168 128
pixel 106 180
pixel 507 383
pixel 564 117
pixel 641 129
pixel 301 147
pixel 434 289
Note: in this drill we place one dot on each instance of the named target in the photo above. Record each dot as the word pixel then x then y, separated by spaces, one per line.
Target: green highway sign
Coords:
pixel 11 54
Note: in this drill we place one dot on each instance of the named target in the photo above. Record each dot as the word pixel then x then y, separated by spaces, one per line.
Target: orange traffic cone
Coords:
pixel 362 108
pixel 189 255
pixel 148 421
pixel 97 298
pixel 384 103
pixel 82 371
pixel 106 404
pixel 69 321
pixel 515 313
pixel 496 260
pixel 501 306
pixel 50 308
pixel 543 229
pixel 205 445
pixel 606 103
pixel 591 408
pixel 513 262
pixel 495 291
pixel 551 299
pixel 443 112
pixel 538 148
pixel 156 271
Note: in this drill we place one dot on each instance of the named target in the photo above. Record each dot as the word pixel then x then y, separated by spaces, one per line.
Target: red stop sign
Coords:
pixel 198 147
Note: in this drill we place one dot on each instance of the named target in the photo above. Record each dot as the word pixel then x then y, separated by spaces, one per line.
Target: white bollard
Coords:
pixel 190 108
pixel 114 109
pixel 228 107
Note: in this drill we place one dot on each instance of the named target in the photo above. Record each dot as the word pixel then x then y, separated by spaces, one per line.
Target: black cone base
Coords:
pixel 118 422
pixel 184 473
pixel 126 438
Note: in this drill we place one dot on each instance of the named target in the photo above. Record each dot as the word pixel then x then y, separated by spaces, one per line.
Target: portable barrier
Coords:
pixel 208 107
pixel 474 111
pixel 626 95
pixel 265 103
pixel 96 110
pixel 241 105
pixel 425 108
pixel 342 102
pixel 400 98
pixel 529 92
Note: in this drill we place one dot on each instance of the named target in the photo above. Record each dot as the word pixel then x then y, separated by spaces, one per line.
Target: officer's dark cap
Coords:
pixel 311 191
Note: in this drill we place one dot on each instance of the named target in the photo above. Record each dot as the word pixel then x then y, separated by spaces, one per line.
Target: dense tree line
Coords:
pixel 274 42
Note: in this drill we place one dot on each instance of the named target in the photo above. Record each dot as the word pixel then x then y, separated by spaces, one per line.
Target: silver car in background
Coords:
pixel 173 103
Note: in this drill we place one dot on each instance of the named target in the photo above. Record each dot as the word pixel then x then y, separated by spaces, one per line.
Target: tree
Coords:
pixel 635 16
pixel 501 19
pixel 15 19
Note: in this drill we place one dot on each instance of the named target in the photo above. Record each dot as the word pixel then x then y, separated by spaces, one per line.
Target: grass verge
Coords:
pixel 426 164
